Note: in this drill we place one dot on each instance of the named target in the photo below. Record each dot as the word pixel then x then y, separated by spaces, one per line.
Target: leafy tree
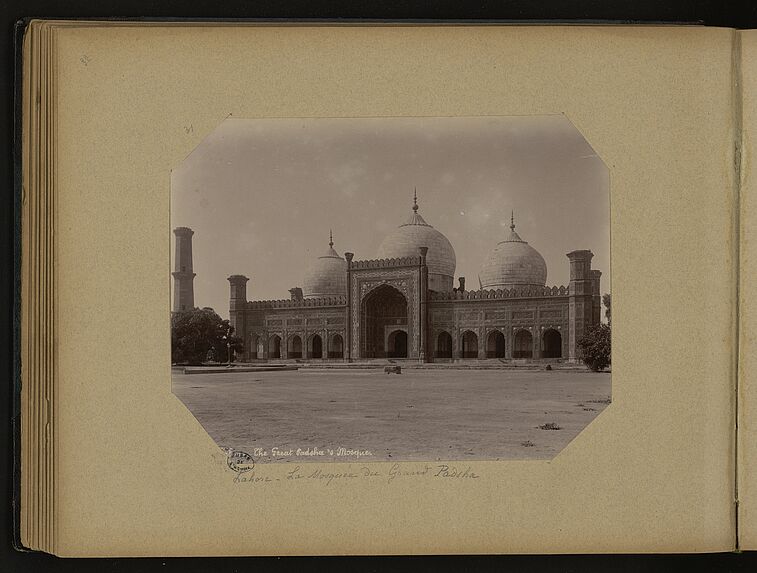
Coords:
pixel 606 300
pixel 594 346
pixel 200 332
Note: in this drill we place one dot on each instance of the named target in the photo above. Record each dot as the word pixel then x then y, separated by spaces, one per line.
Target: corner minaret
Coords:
pixel 581 304
pixel 183 277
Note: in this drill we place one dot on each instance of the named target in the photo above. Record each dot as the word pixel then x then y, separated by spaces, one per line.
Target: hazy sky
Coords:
pixel 261 195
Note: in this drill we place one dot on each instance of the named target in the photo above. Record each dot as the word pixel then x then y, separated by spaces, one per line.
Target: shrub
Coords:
pixel 197 332
pixel 594 347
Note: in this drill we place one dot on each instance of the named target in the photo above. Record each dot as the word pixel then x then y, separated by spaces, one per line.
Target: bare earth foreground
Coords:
pixel 427 415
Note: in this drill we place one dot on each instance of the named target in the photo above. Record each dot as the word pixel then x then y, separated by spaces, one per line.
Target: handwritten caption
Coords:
pixel 394 473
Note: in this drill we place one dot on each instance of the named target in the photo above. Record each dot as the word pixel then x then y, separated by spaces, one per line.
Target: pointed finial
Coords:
pixel 512 220
pixel 415 199
pixel 331 239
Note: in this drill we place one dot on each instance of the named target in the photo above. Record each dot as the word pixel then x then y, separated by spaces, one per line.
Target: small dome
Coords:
pixel 513 262
pixel 327 276
pixel 405 240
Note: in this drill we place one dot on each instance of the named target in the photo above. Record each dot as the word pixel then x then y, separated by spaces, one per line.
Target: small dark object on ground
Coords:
pixel 394 369
pixel 549 367
pixel 550 426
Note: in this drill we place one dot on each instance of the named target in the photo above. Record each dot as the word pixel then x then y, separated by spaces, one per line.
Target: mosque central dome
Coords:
pixel 405 240
pixel 327 276
pixel 513 263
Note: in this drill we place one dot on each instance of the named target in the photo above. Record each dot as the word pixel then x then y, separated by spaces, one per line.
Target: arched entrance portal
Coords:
pixel 274 347
pixel 315 347
pixel 552 344
pixel 295 347
pixel 336 348
pixel 396 344
pixel 523 345
pixel 469 345
pixel 495 345
pixel 444 345
pixel 383 309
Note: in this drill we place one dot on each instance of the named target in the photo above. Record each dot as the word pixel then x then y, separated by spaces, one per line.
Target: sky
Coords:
pixel 262 194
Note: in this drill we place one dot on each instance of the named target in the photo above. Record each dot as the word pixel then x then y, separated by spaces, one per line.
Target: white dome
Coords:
pixel 327 276
pixel 513 262
pixel 405 240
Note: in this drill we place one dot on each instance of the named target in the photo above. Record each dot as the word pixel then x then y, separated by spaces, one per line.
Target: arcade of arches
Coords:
pixel 388 339
pixel 523 345
pixel 294 349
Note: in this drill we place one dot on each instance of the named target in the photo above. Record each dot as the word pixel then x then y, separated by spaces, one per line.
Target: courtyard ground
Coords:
pixel 427 415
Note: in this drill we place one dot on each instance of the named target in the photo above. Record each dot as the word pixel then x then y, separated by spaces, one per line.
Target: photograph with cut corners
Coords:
pixel 392 289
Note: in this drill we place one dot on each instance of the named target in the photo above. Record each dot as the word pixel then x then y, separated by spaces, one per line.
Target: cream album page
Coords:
pixel 401 239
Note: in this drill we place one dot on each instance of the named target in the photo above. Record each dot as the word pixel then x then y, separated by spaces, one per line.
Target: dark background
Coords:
pixel 709 13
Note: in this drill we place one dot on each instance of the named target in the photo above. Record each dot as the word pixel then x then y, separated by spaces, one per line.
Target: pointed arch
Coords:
pixel 523 344
pixel 443 345
pixel 552 344
pixel 396 345
pixel 253 346
pixel 495 344
pixel 336 346
pixel 469 344
pixel 274 347
pixel 294 346
pixel 315 346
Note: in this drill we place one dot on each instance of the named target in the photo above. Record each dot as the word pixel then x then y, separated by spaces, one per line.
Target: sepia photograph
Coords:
pixel 392 289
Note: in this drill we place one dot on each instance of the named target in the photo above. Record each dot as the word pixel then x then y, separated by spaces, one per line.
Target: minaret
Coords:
pixel 183 277
pixel 581 289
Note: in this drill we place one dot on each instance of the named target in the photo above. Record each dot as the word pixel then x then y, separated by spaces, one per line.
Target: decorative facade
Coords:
pixel 404 305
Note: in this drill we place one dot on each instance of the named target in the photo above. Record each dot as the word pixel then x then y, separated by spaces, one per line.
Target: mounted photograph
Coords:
pixel 391 289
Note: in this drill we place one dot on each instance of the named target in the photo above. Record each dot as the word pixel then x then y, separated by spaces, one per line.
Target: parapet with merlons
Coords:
pixel 386 263
pixel 304 303
pixel 515 292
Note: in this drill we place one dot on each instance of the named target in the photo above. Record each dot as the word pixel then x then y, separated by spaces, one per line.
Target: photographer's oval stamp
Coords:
pixel 239 461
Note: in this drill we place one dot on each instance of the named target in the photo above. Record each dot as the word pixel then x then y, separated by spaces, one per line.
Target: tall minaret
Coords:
pixel 183 277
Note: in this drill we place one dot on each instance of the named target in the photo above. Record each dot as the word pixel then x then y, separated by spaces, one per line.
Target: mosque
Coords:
pixel 404 305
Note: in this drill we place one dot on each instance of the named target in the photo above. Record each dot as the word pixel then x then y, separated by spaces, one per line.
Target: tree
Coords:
pixel 594 347
pixel 606 301
pixel 200 332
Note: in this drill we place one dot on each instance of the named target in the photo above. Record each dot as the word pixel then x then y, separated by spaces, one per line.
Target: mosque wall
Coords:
pixel 484 318
pixel 263 321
